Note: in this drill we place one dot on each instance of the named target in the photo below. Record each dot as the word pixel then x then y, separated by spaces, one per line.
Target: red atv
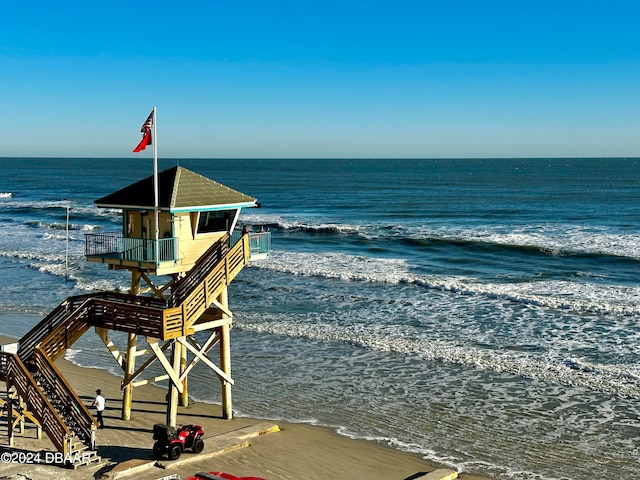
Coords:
pixel 219 476
pixel 172 442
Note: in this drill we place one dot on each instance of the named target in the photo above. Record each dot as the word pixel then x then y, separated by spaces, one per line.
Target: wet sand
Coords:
pixel 296 452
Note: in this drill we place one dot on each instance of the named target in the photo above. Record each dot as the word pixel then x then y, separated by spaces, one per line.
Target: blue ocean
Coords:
pixel 483 313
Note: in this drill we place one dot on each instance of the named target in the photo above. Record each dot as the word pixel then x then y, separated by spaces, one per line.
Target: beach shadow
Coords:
pixel 148 402
pixel 119 454
pixel 116 401
pixel 138 406
pixel 199 415
pixel 136 429
pixel 142 410
pixel 114 414
pixel 416 475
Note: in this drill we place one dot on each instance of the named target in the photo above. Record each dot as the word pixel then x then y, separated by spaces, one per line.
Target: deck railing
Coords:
pixel 114 245
pixel 259 243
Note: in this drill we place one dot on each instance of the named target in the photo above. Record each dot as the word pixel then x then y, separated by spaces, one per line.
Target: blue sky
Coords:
pixel 321 79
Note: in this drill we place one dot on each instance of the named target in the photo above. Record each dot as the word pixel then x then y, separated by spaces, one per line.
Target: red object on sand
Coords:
pixel 219 476
pixel 172 442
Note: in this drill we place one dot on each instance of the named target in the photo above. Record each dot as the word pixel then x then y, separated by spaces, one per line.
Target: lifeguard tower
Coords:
pixel 183 242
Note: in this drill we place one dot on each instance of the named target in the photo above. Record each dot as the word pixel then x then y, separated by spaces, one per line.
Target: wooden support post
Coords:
pixel 20 416
pixel 103 333
pixel 129 369
pixel 136 275
pixel 130 359
pixel 9 417
pixel 225 364
pixel 184 395
pixel 225 359
pixel 172 395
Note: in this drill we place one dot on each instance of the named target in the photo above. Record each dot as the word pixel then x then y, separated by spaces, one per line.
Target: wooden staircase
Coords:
pixel 51 400
pixel 54 406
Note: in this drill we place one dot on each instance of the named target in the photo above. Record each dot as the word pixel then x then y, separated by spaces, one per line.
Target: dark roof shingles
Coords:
pixel 177 188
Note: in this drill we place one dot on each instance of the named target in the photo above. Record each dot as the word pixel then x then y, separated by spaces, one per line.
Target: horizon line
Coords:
pixel 331 158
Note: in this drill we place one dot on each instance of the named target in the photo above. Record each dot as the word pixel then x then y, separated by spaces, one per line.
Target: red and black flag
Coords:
pixel 146 133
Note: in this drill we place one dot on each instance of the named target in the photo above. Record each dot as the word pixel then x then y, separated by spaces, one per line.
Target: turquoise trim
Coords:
pixel 212 208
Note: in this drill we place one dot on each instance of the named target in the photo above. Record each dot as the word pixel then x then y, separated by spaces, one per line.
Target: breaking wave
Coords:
pixel 557 294
pixel 407 341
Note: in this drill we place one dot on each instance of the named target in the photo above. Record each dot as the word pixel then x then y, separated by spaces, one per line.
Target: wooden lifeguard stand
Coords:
pixel 195 219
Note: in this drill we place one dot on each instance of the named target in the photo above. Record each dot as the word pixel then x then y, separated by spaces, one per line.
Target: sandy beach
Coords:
pixel 295 452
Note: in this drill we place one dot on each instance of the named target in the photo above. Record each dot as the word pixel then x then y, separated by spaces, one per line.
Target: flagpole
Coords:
pixel 155 185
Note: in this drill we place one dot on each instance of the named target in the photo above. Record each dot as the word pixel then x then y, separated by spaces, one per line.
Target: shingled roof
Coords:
pixel 179 190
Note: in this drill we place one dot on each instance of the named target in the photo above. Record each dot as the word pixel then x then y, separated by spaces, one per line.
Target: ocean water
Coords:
pixel 481 312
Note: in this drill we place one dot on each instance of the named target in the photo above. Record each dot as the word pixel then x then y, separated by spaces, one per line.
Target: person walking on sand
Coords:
pixel 99 404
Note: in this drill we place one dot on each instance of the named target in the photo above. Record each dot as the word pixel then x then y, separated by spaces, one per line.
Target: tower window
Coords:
pixel 218 221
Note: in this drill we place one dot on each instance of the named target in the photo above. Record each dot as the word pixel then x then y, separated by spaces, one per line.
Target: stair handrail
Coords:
pixel 51 322
pixel 76 323
pixel 5 358
pixel 201 297
pixel 37 403
pixel 63 312
pixel 200 270
pixel 238 257
pixel 77 410
pixel 128 317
